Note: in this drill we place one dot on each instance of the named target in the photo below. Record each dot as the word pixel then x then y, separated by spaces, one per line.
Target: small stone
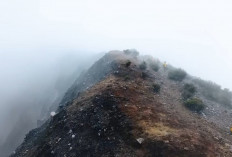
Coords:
pixel 140 140
pixel 53 114
pixel 58 140
pixel 73 136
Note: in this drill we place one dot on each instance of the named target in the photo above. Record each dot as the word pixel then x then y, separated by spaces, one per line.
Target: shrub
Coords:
pixel 214 92
pixel 155 66
pixel 188 91
pixel 177 74
pixel 194 104
pixel 143 65
pixel 126 78
pixel 144 75
pixel 156 88
pixel 225 97
pixel 131 52
pixel 128 63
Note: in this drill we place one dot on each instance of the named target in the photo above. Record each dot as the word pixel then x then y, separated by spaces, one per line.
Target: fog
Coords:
pixel 32 85
pixel 45 44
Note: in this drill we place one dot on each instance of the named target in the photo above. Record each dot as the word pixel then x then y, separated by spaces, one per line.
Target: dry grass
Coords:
pixel 157 129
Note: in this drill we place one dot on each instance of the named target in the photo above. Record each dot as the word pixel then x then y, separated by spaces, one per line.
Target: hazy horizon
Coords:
pixel 183 33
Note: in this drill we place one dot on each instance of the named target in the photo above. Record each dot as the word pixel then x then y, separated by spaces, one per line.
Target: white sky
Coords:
pixel 195 35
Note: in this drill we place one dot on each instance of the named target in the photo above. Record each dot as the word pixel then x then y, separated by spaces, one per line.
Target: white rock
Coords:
pixel 53 113
pixel 73 136
pixel 140 140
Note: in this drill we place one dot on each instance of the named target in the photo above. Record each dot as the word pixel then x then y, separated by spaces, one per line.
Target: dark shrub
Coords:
pixel 194 104
pixel 190 87
pixel 156 88
pixel 177 74
pixel 127 78
pixel 144 75
pixel 128 63
pixel 188 91
pixel 143 65
pixel 155 66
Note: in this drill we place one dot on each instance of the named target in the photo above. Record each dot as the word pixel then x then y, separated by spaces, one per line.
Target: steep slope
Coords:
pixel 112 110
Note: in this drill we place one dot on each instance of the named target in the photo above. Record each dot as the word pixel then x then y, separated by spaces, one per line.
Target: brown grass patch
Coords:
pixel 157 129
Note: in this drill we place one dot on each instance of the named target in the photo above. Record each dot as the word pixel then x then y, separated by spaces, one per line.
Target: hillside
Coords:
pixel 122 107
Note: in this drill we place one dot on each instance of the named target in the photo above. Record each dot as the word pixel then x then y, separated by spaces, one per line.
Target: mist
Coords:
pixel 180 32
pixel 32 85
pixel 45 44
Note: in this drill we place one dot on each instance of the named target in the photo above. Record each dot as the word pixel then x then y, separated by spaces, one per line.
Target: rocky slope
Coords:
pixel 112 110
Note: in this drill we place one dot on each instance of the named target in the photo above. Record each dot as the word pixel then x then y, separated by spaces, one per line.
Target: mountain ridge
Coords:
pixel 117 113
